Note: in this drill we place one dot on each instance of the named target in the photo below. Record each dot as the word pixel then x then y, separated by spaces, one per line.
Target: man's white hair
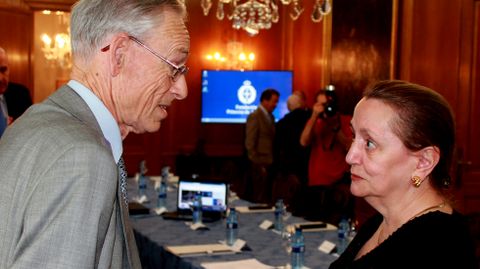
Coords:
pixel 294 101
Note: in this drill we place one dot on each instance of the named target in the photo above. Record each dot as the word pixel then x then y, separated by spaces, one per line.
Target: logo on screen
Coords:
pixel 247 93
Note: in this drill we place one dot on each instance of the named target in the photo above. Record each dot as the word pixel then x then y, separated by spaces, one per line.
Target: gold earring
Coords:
pixel 416 181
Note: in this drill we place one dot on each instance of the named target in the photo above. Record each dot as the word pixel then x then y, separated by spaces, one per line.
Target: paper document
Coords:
pixel 206 249
pixel 241 264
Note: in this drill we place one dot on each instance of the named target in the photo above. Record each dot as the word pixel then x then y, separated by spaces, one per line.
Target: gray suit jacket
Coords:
pixel 59 201
pixel 260 133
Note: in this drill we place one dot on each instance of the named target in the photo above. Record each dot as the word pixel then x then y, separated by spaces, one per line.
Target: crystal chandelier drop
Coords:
pixel 255 15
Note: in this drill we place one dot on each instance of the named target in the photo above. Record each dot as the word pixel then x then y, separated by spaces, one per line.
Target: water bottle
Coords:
pixel 232 227
pixel 165 173
pixel 162 195
pixel 197 209
pixel 142 185
pixel 279 212
pixel 352 232
pixel 298 249
pixel 343 231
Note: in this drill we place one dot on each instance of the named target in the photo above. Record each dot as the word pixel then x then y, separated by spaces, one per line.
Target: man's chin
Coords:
pixel 152 128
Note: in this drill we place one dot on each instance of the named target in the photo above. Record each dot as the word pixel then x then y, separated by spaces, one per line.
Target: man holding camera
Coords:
pixel 329 136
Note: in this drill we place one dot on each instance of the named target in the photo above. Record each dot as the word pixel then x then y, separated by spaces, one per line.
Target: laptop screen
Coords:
pixel 214 195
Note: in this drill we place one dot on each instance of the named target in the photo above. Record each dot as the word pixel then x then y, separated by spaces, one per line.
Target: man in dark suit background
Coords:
pixel 260 134
pixel 291 158
pixel 4 72
pixel 16 97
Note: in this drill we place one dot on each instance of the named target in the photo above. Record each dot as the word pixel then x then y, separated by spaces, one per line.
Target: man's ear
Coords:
pixel 427 160
pixel 118 48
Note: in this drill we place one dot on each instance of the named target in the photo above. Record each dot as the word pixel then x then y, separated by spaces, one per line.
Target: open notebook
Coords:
pixel 214 200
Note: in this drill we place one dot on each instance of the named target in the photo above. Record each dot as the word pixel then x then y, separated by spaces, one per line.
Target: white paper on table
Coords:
pixel 205 249
pixel 160 211
pixel 141 200
pixel 265 225
pixel 327 247
pixel 156 185
pixel 156 178
pixel 197 226
pixel 172 178
pixel 240 264
pixel 237 246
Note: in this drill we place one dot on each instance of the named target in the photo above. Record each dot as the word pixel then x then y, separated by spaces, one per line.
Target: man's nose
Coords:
pixel 179 88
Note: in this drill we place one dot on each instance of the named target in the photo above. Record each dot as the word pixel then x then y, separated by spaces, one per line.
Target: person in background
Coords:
pixel 291 158
pixel 302 96
pixel 17 96
pixel 14 98
pixel 64 202
pixel 5 120
pixel 328 134
pixel 404 136
pixel 260 134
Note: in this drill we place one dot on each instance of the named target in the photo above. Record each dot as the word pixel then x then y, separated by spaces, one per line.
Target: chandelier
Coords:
pixel 57 51
pixel 255 15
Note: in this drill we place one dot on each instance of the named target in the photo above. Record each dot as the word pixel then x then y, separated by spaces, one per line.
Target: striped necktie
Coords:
pixel 131 246
pixel 123 180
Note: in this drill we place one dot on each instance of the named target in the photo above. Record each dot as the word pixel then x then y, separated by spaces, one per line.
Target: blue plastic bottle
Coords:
pixel 298 249
pixel 162 195
pixel 343 231
pixel 232 227
pixel 279 212
pixel 197 209
pixel 142 185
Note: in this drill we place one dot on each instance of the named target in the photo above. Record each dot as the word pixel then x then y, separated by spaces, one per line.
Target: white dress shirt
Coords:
pixel 105 119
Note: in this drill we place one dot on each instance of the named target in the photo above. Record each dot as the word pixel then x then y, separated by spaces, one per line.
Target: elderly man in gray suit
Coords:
pixel 63 201
pixel 260 134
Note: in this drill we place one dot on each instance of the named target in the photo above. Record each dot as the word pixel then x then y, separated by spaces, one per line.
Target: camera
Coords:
pixel 330 107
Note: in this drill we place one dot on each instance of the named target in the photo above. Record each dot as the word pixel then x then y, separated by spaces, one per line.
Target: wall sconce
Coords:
pixel 58 51
pixel 236 58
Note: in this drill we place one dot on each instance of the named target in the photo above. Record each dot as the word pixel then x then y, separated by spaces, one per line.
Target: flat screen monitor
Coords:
pixel 229 96
pixel 214 195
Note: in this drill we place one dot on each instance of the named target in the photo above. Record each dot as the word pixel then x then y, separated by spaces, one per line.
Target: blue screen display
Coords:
pixel 229 96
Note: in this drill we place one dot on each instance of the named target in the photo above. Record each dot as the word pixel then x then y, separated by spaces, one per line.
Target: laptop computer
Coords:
pixel 214 200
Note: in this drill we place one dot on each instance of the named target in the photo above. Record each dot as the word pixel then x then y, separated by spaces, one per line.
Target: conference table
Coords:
pixel 153 234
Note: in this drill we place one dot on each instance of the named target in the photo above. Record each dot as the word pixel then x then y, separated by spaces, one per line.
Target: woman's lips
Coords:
pixel 355 177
